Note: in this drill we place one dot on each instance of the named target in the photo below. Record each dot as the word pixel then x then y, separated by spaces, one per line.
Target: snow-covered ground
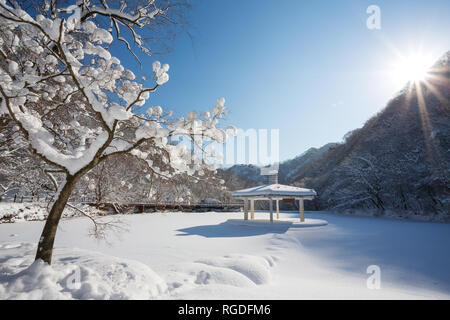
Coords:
pixel 202 256
pixel 36 211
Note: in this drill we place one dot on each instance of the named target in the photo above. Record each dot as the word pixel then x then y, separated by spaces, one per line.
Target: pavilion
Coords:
pixel 274 191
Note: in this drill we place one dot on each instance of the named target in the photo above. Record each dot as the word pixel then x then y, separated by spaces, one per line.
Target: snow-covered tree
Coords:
pixel 360 185
pixel 119 179
pixel 21 172
pixel 77 105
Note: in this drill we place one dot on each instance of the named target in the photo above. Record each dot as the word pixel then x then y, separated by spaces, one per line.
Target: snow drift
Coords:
pixel 76 274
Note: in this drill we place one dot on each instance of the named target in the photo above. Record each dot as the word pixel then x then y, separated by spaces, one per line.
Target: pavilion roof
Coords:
pixel 274 190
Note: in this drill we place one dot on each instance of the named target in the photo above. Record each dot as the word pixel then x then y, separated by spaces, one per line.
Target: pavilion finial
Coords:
pixel 271 173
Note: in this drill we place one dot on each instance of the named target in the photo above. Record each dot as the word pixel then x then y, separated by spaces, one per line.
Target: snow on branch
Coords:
pixel 75 103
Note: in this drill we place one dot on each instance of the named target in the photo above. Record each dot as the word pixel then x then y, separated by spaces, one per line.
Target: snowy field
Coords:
pixel 202 256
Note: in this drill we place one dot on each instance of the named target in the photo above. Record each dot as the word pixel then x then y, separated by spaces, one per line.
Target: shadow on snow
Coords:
pixel 227 230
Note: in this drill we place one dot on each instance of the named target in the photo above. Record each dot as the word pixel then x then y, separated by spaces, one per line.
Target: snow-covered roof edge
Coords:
pixel 274 190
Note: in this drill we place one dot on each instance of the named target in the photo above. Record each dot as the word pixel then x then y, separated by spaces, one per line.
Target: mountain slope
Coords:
pixel 293 168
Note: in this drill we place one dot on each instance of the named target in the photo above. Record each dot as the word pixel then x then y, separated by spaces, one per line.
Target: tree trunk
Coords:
pixel 47 239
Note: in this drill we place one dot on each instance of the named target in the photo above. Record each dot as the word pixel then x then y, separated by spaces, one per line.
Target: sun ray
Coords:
pixel 422 80
pixel 431 148
pixel 435 92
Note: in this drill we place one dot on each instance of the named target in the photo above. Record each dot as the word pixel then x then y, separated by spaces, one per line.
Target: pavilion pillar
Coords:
pixel 278 209
pixel 301 211
pixel 271 209
pixel 245 209
pixel 252 209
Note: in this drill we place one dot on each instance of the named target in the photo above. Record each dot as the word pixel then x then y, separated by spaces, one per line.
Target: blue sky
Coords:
pixel 309 68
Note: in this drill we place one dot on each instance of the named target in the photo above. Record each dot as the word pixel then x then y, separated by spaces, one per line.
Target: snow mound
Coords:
pixel 234 276
pixel 212 275
pixel 254 268
pixel 74 274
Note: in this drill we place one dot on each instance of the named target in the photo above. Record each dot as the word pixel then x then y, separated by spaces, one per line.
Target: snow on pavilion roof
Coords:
pixel 275 190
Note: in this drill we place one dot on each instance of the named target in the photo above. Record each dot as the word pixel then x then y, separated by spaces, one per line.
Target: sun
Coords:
pixel 412 68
